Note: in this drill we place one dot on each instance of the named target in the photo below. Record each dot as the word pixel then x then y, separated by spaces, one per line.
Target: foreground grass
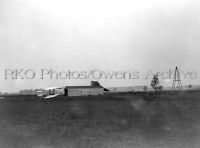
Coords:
pixel 125 121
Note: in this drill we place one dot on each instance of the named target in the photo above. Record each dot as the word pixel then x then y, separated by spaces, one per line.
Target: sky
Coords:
pixel 108 35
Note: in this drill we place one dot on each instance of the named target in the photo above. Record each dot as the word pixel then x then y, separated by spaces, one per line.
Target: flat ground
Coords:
pixel 123 121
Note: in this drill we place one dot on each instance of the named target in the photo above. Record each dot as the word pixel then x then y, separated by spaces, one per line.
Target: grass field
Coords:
pixel 123 121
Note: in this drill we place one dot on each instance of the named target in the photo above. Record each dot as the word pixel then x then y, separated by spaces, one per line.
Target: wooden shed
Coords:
pixel 83 90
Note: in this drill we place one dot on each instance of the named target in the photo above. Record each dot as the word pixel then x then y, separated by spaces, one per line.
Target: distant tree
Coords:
pixel 155 82
pixel 189 86
pixel 145 88
pixel 95 83
pixel 160 88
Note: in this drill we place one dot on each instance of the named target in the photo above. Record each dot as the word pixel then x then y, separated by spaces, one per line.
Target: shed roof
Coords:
pixel 83 87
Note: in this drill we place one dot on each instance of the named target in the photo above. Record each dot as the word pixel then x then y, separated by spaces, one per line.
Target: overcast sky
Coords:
pixel 106 34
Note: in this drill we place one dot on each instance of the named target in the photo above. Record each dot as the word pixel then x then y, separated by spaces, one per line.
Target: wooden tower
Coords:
pixel 177 85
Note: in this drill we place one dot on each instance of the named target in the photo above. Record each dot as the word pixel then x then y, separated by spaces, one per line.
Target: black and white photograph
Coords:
pixel 99 74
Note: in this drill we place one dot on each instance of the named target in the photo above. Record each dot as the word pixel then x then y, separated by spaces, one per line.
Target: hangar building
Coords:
pixel 84 90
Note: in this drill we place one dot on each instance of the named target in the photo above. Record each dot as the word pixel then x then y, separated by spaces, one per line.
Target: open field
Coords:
pixel 122 121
